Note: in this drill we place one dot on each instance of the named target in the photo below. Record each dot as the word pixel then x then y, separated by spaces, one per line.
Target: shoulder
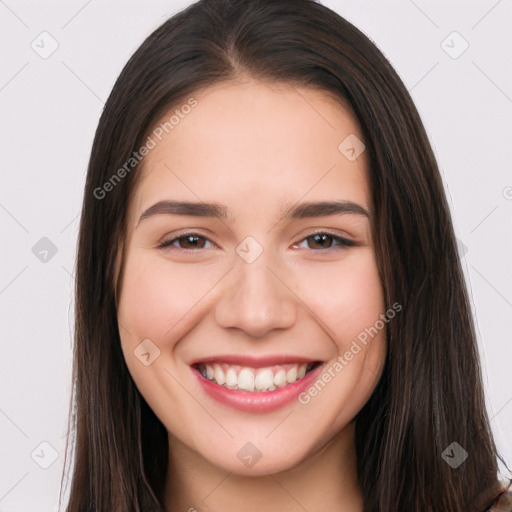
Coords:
pixel 503 502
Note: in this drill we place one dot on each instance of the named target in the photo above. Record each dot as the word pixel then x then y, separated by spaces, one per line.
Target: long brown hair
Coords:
pixel 430 394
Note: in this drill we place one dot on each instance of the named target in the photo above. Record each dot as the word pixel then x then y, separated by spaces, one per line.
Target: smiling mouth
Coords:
pixel 245 378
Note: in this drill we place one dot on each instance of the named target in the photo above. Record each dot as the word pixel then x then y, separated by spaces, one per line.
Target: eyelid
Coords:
pixel 344 242
pixel 167 243
pixel 329 231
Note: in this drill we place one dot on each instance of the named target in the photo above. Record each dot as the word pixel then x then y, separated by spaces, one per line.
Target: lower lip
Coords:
pixel 255 401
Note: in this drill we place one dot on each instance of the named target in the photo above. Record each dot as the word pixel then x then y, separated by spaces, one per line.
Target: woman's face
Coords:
pixel 228 299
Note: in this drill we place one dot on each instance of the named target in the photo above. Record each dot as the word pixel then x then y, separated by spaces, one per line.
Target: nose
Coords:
pixel 256 300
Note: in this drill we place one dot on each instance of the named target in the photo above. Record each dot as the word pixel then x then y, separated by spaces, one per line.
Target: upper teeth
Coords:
pixel 253 379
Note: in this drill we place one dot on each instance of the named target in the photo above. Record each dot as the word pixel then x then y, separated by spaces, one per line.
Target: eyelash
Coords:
pixel 341 242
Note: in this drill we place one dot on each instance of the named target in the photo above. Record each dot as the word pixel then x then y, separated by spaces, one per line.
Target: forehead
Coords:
pixel 256 146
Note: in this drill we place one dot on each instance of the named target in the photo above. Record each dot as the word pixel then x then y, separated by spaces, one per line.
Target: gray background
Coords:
pixel 50 106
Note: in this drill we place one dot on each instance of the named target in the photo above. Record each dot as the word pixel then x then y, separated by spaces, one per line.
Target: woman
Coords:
pixel 270 308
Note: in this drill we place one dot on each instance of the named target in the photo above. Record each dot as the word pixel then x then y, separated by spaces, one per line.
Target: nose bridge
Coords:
pixel 255 299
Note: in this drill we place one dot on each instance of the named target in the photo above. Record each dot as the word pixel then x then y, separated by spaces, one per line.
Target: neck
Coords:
pixel 327 480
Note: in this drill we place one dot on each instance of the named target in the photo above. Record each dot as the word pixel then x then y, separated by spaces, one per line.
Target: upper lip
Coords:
pixel 254 361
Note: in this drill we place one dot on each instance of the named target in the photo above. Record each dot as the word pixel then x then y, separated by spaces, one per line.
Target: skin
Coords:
pixel 255 147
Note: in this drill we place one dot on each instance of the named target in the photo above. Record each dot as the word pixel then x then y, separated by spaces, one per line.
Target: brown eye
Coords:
pixel 189 241
pixel 320 241
pixel 325 241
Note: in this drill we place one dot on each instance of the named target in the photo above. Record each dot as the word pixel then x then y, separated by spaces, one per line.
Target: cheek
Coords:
pixel 160 301
pixel 158 298
pixel 349 303
pixel 346 296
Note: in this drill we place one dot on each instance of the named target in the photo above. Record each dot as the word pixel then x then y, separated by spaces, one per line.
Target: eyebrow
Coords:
pixel 220 211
